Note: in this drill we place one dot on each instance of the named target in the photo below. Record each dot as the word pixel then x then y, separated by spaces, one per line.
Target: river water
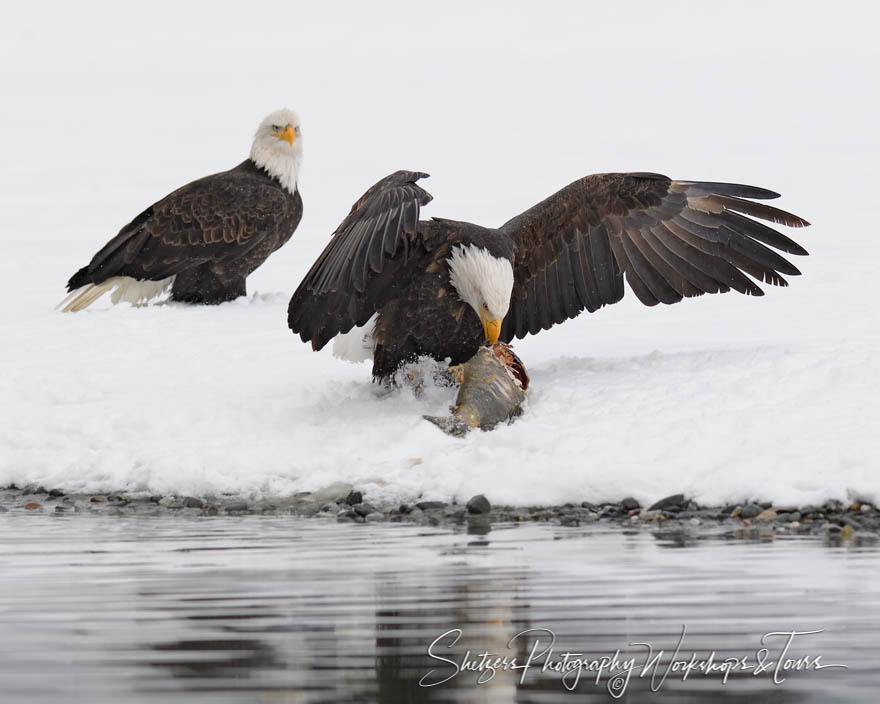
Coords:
pixel 275 609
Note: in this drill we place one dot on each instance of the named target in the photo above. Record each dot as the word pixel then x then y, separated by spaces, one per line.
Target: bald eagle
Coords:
pixel 441 288
pixel 204 239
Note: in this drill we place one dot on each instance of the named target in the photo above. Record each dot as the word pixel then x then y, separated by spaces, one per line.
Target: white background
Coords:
pixel 106 108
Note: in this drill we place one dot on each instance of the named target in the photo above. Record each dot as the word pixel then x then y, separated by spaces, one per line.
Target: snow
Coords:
pixel 723 398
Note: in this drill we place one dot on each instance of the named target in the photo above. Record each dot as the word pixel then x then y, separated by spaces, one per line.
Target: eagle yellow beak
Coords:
pixel 491 328
pixel 287 134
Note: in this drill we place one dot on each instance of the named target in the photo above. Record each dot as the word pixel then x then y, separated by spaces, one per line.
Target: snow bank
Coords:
pixel 723 398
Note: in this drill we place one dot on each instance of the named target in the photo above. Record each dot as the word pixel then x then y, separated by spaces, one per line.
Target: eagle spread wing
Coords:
pixel 365 259
pixel 214 219
pixel 669 239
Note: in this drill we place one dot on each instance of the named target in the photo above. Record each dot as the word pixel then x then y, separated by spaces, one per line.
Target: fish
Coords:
pixel 493 389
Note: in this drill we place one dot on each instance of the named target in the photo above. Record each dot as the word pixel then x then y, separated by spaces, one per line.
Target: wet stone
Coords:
pixel 354 497
pixel 237 507
pixel 363 509
pixel 673 503
pixel 766 515
pixel 33 506
pixel 193 502
pixel 428 505
pixel 478 504
pixel 55 493
pixel 98 499
pixel 629 503
pixel 750 510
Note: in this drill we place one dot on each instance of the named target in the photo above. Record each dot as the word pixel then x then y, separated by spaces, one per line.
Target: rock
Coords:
pixel 588 505
pixel 56 493
pixel 695 521
pixel 866 508
pixel 765 504
pixel 569 521
pixel 750 510
pixel 374 517
pixel 851 522
pixel 428 505
pixel 362 509
pixel 236 507
pixel 3 509
pixel 165 500
pixel 768 514
pixel 629 503
pixel 209 511
pixel 33 505
pixel 354 497
pixel 478 504
pixel 98 499
pixel 335 492
pixel 332 507
pixel 62 509
pixel 346 517
pixel 592 515
pixel 736 512
pixel 652 515
pixel 789 517
pixel 193 502
pixel 846 532
pixel 404 509
pixel 673 504
pixel 795 524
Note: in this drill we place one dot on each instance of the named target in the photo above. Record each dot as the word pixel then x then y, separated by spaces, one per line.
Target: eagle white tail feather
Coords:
pixel 124 288
pixel 356 345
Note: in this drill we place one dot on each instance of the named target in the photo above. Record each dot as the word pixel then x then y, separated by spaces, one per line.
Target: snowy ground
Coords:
pixel 723 398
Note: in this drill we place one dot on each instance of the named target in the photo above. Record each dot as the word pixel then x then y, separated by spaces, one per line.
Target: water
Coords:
pixel 260 609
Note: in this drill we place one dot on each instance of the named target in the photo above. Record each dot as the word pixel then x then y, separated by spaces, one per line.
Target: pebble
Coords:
pixel 354 497
pixel 164 501
pixel 673 503
pixel 428 505
pixel 768 514
pixel 629 503
pixel 737 512
pixel 374 517
pixel 364 509
pixel 750 510
pixel 478 504
pixel 193 502
pixel 236 507
pixel 98 499
pixel 32 505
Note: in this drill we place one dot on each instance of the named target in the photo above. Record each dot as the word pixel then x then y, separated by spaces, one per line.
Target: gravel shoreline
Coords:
pixel 344 504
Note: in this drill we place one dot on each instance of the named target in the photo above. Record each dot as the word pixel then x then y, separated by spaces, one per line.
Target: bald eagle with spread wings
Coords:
pixel 204 239
pixel 407 288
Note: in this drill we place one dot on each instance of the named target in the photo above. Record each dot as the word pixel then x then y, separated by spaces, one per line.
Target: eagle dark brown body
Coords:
pixel 209 234
pixel 571 252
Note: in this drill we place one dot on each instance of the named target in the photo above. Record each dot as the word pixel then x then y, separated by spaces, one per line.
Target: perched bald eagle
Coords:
pixel 442 288
pixel 204 239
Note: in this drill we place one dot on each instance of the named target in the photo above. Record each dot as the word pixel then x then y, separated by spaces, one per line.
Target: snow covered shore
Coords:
pixel 723 398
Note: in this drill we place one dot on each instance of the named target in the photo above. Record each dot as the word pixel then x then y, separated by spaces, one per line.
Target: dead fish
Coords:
pixel 493 384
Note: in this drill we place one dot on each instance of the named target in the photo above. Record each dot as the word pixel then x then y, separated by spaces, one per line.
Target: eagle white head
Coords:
pixel 277 147
pixel 483 281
